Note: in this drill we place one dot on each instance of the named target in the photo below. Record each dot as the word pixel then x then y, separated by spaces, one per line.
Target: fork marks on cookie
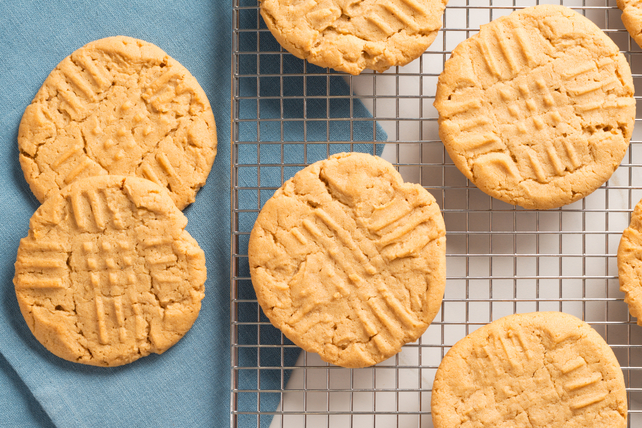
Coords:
pixel 40 264
pixel 505 57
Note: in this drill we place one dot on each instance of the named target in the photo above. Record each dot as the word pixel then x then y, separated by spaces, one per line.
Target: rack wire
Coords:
pixel 501 259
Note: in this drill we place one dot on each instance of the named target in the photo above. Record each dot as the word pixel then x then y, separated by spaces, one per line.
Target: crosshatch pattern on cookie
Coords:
pixel 349 264
pixel 534 114
pixel 351 36
pixel 108 273
pixel 118 106
pixel 542 369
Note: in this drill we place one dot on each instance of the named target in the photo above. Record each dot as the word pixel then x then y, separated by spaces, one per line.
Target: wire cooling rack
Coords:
pixel 500 259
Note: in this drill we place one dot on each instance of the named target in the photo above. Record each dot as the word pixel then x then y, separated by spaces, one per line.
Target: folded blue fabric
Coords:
pixel 17 404
pixel 189 385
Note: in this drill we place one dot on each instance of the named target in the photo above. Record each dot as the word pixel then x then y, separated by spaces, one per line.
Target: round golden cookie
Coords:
pixel 108 273
pixel 353 35
pixel 629 265
pixel 632 18
pixel 348 261
pixel 118 106
pixel 537 109
pixel 545 369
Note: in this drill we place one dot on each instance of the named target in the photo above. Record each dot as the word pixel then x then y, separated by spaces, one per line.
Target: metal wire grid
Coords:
pixel 501 259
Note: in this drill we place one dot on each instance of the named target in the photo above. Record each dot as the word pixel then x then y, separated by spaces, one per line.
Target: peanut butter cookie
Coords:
pixel 118 106
pixel 632 18
pixel 537 109
pixel 353 35
pixel 108 273
pixel 629 265
pixel 545 369
pixel 348 261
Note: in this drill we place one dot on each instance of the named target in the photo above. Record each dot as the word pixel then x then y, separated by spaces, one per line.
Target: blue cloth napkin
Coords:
pixel 189 385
